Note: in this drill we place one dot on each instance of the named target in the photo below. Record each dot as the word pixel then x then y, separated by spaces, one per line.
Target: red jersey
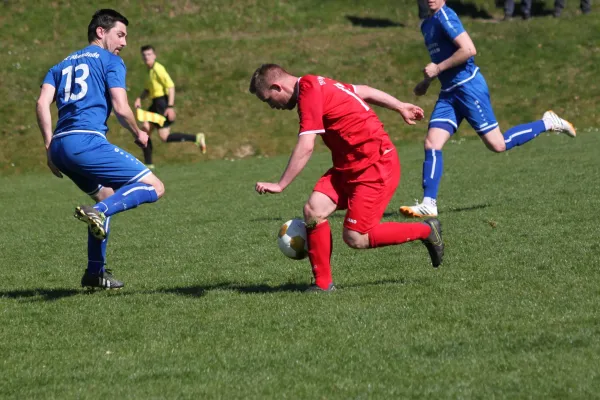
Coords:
pixel 347 124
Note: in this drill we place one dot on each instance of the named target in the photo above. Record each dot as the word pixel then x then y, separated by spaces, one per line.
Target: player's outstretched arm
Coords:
pixel 125 115
pixel 300 156
pixel 409 112
pixel 44 120
pixel 465 50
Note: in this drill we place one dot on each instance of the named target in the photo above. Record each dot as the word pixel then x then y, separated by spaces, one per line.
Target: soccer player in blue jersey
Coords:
pixel 86 86
pixel 464 95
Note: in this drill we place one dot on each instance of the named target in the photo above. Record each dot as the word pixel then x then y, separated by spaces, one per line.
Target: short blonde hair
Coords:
pixel 264 76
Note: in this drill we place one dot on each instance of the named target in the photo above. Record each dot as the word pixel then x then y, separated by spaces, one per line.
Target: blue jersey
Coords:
pixel 439 31
pixel 82 82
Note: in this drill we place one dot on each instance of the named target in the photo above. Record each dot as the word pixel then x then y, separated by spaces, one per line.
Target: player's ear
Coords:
pixel 275 86
pixel 100 31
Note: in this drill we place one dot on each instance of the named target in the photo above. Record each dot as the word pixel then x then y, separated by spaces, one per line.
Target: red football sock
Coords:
pixel 391 233
pixel 320 244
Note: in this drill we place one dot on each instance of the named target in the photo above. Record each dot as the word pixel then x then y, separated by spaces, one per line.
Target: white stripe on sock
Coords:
pixel 149 187
pixel 433 167
pixel 514 135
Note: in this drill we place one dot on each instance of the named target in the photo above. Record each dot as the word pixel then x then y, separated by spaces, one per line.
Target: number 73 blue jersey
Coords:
pixel 83 81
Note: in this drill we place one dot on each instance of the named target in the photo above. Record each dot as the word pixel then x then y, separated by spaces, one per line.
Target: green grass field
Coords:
pixel 213 310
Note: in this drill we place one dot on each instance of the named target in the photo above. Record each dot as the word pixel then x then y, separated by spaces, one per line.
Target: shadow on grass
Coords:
pixel 366 22
pixel 467 208
pixel 191 291
pixel 200 290
pixel 39 294
pixel 400 281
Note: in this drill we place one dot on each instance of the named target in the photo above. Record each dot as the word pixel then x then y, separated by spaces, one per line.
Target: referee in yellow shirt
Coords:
pixel 161 89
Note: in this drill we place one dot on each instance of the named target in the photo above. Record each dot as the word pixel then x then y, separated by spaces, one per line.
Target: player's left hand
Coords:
pixel 411 113
pixel 266 187
pixel 431 70
pixel 170 114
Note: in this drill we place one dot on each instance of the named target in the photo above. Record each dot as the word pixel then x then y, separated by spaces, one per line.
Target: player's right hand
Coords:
pixel 421 87
pixel 142 139
pixel 137 103
pixel 266 187
pixel 411 113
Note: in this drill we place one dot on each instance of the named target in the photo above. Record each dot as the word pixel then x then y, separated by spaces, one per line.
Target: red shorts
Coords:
pixel 364 194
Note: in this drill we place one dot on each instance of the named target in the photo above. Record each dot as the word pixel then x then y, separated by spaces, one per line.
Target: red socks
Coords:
pixel 320 244
pixel 390 233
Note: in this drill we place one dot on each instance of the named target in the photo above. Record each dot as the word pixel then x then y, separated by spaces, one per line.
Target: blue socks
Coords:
pixel 522 134
pixel 97 251
pixel 126 198
pixel 433 167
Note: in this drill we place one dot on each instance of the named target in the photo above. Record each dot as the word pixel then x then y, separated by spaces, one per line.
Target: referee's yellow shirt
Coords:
pixel 159 81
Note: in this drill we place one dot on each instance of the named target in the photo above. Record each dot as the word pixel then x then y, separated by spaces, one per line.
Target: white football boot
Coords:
pixel 558 124
pixel 420 210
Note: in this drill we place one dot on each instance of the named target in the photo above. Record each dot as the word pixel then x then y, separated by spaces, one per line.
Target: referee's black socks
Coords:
pixel 181 137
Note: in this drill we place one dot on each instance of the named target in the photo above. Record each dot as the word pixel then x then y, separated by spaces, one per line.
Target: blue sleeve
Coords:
pixel 50 77
pixel 115 74
pixel 451 24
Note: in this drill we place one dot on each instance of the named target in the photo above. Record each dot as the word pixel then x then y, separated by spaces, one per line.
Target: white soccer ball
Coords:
pixel 292 239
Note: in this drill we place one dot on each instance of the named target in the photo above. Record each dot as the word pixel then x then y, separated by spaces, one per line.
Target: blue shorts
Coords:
pixel 470 100
pixel 92 162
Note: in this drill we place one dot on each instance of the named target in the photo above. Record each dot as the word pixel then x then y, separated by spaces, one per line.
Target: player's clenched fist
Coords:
pixel 266 187
pixel 142 139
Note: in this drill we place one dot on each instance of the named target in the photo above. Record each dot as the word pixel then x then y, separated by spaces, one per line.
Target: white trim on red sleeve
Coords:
pixel 315 132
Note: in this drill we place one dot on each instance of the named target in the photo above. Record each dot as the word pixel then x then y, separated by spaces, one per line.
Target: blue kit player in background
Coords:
pixel 86 86
pixel 464 95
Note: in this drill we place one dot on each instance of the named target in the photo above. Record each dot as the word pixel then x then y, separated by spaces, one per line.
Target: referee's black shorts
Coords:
pixel 159 106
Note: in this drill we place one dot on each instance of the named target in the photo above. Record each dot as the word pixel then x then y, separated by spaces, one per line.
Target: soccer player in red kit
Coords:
pixel 365 172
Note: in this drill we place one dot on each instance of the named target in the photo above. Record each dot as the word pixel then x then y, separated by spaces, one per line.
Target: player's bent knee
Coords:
pixel 159 187
pixel 431 144
pixel 164 134
pixel 497 147
pixel 103 193
pixel 311 216
pixel 156 183
pixel 356 240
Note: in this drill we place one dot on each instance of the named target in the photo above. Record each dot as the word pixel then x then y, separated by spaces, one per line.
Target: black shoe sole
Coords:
pixel 97 230
pixel 434 242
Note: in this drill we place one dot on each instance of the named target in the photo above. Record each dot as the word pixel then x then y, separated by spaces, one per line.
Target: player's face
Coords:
pixel 114 39
pixel 277 98
pixel 149 57
pixel 435 5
